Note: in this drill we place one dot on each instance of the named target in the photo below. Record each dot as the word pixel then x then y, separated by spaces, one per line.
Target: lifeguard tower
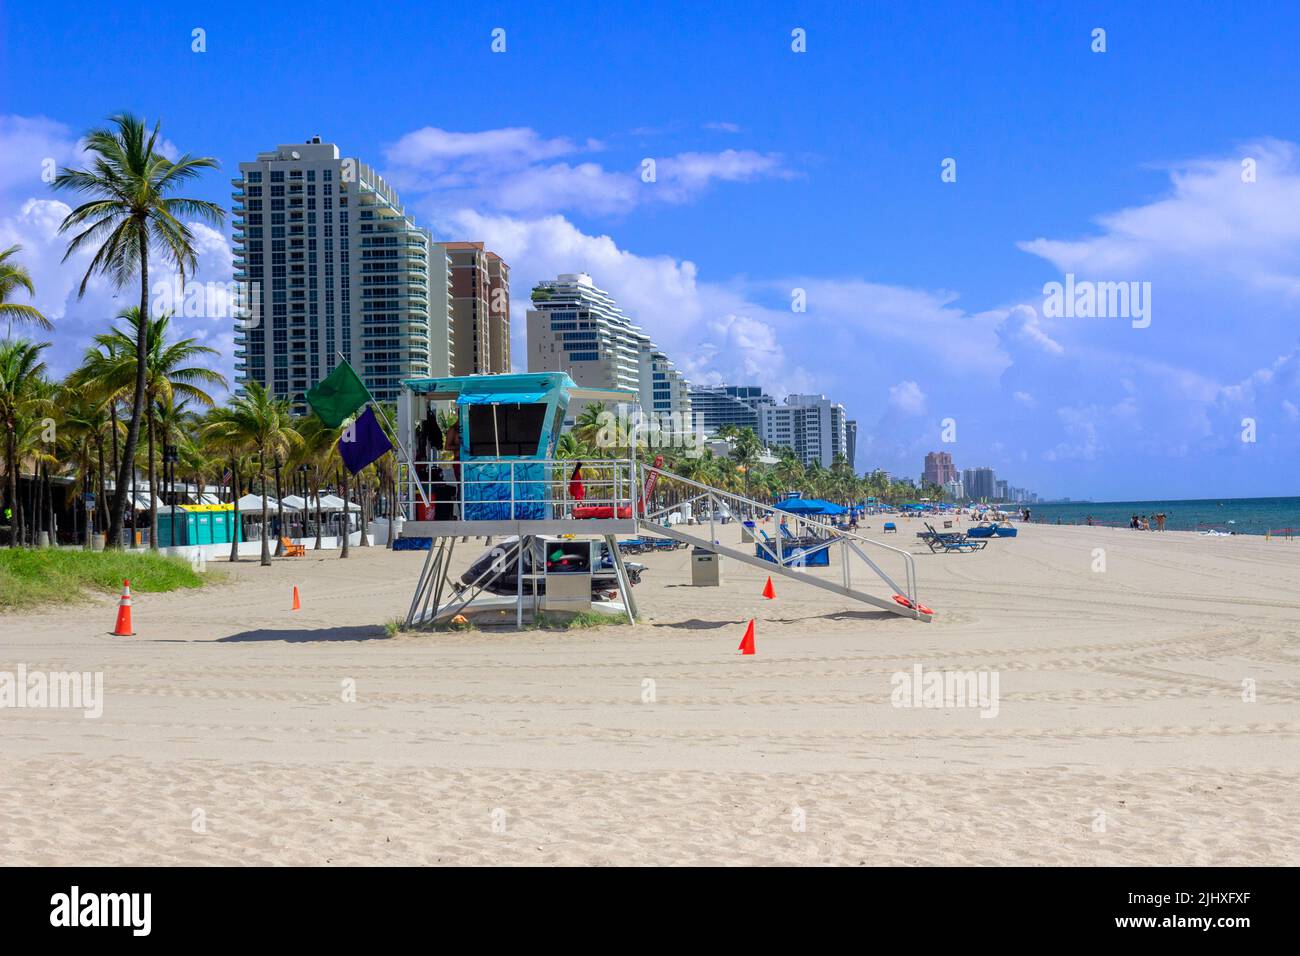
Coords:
pixel 503 481
pixel 556 550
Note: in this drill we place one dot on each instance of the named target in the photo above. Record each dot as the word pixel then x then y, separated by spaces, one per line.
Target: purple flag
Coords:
pixel 363 441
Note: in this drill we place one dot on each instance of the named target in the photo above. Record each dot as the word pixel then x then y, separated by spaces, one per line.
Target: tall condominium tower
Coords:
pixel 498 313
pixel 812 425
pixel 577 328
pixel 939 469
pixel 339 268
pixel 980 483
pixel 480 290
pixel 716 405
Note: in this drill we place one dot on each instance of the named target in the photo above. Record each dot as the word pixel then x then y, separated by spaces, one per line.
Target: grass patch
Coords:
pixel 31 577
pixel 552 621
pixel 578 621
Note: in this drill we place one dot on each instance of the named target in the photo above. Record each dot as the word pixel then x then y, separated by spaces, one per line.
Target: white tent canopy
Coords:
pixel 335 503
pixel 252 502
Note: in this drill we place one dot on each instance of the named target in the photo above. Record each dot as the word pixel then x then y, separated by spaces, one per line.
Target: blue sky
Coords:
pixel 780 170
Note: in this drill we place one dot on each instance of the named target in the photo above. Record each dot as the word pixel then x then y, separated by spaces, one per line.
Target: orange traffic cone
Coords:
pixel 769 592
pixel 297 604
pixel 123 628
pixel 747 642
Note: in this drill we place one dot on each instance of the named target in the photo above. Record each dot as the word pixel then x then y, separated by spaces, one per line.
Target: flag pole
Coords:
pixel 419 485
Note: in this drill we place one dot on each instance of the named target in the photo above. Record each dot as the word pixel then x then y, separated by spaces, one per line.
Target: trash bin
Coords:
pixel 747 532
pixel 706 568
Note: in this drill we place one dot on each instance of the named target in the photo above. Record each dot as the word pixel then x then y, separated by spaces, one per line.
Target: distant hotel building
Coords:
pixel 812 425
pixel 480 309
pixel 851 440
pixel 738 405
pixel 981 484
pixel 577 328
pixel 339 268
pixel 939 469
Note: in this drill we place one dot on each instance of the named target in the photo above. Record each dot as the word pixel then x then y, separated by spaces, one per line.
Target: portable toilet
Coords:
pixel 169 515
pixel 202 526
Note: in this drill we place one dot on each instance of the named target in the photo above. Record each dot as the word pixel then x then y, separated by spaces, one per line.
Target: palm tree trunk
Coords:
pixel 266 548
pixel 153 485
pixel 86 486
pixel 137 405
pixel 363 497
pixel 319 511
pixel 11 466
pixel 38 504
pixel 279 513
pixel 237 529
pixel 347 516
pixel 392 507
pixel 103 493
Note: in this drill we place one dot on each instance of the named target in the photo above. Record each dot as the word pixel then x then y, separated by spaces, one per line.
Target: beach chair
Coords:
pixel 938 541
pixel 889 528
pixel 291 550
pixel 786 532
pixel 665 544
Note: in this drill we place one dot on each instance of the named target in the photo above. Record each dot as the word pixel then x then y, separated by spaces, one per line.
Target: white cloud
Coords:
pixel 430 146
pixel 906 397
pixel 516 170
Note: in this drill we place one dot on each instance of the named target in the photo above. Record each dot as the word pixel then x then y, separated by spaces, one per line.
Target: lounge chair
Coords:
pixel 291 550
pixel 949 540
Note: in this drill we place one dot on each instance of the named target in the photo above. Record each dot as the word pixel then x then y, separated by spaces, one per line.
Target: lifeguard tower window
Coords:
pixel 497 430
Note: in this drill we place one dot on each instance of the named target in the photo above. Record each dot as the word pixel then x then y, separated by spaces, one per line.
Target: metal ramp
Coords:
pixel 790 564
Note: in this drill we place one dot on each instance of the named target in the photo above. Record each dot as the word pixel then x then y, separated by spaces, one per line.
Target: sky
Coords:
pixel 917 175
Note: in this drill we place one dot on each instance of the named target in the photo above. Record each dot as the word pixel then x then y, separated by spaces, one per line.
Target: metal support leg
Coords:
pixel 422 583
pixel 624 583
pixel 444 567
pixel 519 585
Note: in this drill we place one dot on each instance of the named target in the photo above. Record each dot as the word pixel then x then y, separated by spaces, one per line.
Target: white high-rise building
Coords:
pixel 576 327
pixel 812 425
pixel 339 268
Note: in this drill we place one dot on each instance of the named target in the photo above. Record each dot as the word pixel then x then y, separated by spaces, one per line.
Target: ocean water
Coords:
pixel 1242 515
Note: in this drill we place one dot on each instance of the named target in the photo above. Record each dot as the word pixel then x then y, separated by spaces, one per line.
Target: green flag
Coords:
pixel 338 395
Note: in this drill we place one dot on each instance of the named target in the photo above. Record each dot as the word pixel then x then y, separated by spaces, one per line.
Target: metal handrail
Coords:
pixel 909 562
pixel 614 485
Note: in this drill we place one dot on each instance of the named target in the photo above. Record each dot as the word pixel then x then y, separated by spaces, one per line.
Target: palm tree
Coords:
pixel 589 425
pixel 222 434
pixel 129 180
pixel 167 374
pixel 84 421
pixel 21 368
pixel 263 425
pixel 745 451
pixel 318 442
pixel 12 277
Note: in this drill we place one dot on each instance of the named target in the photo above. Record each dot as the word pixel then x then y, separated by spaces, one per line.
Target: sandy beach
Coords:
pixel 1123 734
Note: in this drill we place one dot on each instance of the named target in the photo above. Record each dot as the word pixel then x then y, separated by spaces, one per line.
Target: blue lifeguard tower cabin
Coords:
pixel 509 428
